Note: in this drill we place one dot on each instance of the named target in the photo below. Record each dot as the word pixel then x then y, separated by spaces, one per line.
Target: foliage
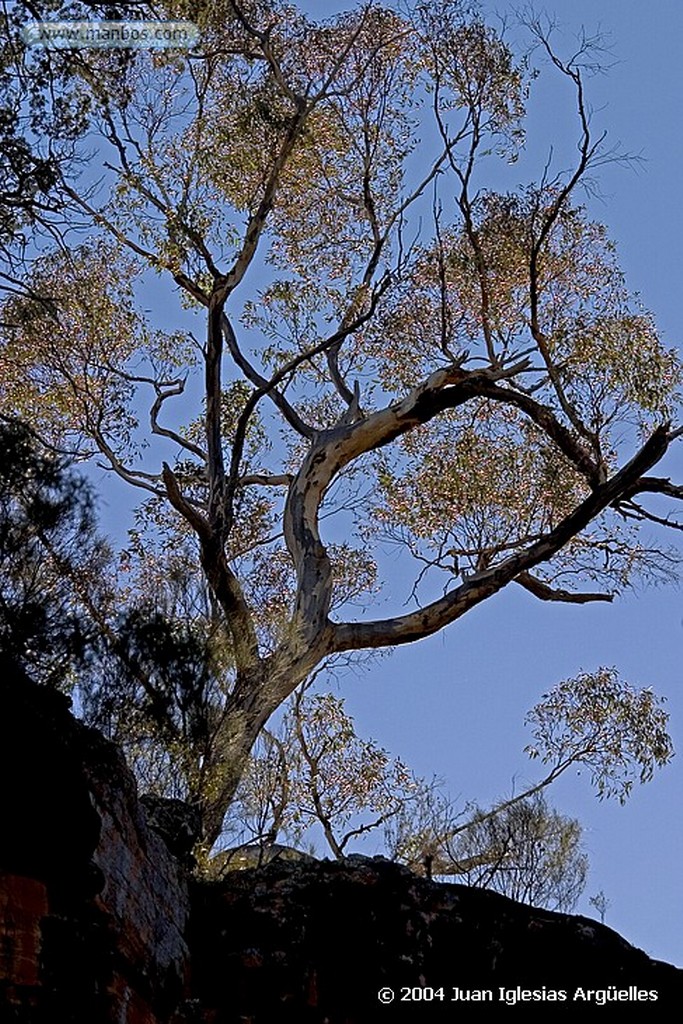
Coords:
pixel 49 549
pixel 602 903
pixel 395 343
pixel 315 770
pixel 153 695
pixel 528 852
pixel 597 720
pixel 44 94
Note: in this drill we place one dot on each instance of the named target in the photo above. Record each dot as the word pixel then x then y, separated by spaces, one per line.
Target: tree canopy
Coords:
pixel 48 541
pixel 364 316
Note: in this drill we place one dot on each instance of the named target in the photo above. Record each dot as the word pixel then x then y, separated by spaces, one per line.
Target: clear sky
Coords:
pixel 454 705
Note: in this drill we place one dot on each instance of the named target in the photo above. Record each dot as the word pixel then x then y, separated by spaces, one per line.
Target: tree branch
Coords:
pixel 337 447
pixel 226 284
pixel 587 150
pixel 543 417
pixel 213 390
pixel 131 476
pixel 544 592
pixel 192 515
pixel 251 373
pixel 162 394
pixel 433 617
pixel 266 479
pixel 269 387
pixel 99 218
pixel 656 485
pixel 221 579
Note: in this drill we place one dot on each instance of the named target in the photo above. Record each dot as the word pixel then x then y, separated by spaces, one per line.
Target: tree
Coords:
pixel 153 688
pixel 484 391
pixel 602 903
pixel 315 771
pixel 47 539
pixel 527 851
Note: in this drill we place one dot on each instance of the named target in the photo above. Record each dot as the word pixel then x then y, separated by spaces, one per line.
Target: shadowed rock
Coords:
pixel 100 922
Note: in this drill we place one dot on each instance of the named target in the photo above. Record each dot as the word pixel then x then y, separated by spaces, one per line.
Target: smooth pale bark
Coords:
pixel 264 683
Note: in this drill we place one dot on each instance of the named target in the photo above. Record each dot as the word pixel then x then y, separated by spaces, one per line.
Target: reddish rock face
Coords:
pixel 23 905
pixel 93 906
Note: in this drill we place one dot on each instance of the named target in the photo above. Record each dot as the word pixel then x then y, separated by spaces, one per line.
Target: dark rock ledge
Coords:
pixel 101 921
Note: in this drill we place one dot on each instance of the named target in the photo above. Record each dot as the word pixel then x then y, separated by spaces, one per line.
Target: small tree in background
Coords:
pixel 601 904
pixel 526 850
pixel 314 772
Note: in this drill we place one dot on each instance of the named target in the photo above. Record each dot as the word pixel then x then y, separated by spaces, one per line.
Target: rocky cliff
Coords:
pixel 101 921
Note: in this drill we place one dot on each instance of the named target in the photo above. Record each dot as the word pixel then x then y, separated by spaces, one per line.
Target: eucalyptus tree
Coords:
pixel 387 329
pixel 312 778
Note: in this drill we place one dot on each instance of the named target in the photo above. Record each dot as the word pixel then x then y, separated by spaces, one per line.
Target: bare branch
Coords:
pixel 269 386
pixel 543 417
pixel 188 285
pixel 657 485
pixel 222 580
pixel 251 373
pixel 545 592
pixel 135 477
pixel 189 512
pixel 162 395
pixel 587 151
pixel 266 479
pixel 632 510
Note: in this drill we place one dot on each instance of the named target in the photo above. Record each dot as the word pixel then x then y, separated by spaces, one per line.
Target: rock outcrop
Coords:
pixel 93 905
pixel 319 942
pixel 100 920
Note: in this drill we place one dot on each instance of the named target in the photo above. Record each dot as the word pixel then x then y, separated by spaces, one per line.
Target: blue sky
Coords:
pixel 454 705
